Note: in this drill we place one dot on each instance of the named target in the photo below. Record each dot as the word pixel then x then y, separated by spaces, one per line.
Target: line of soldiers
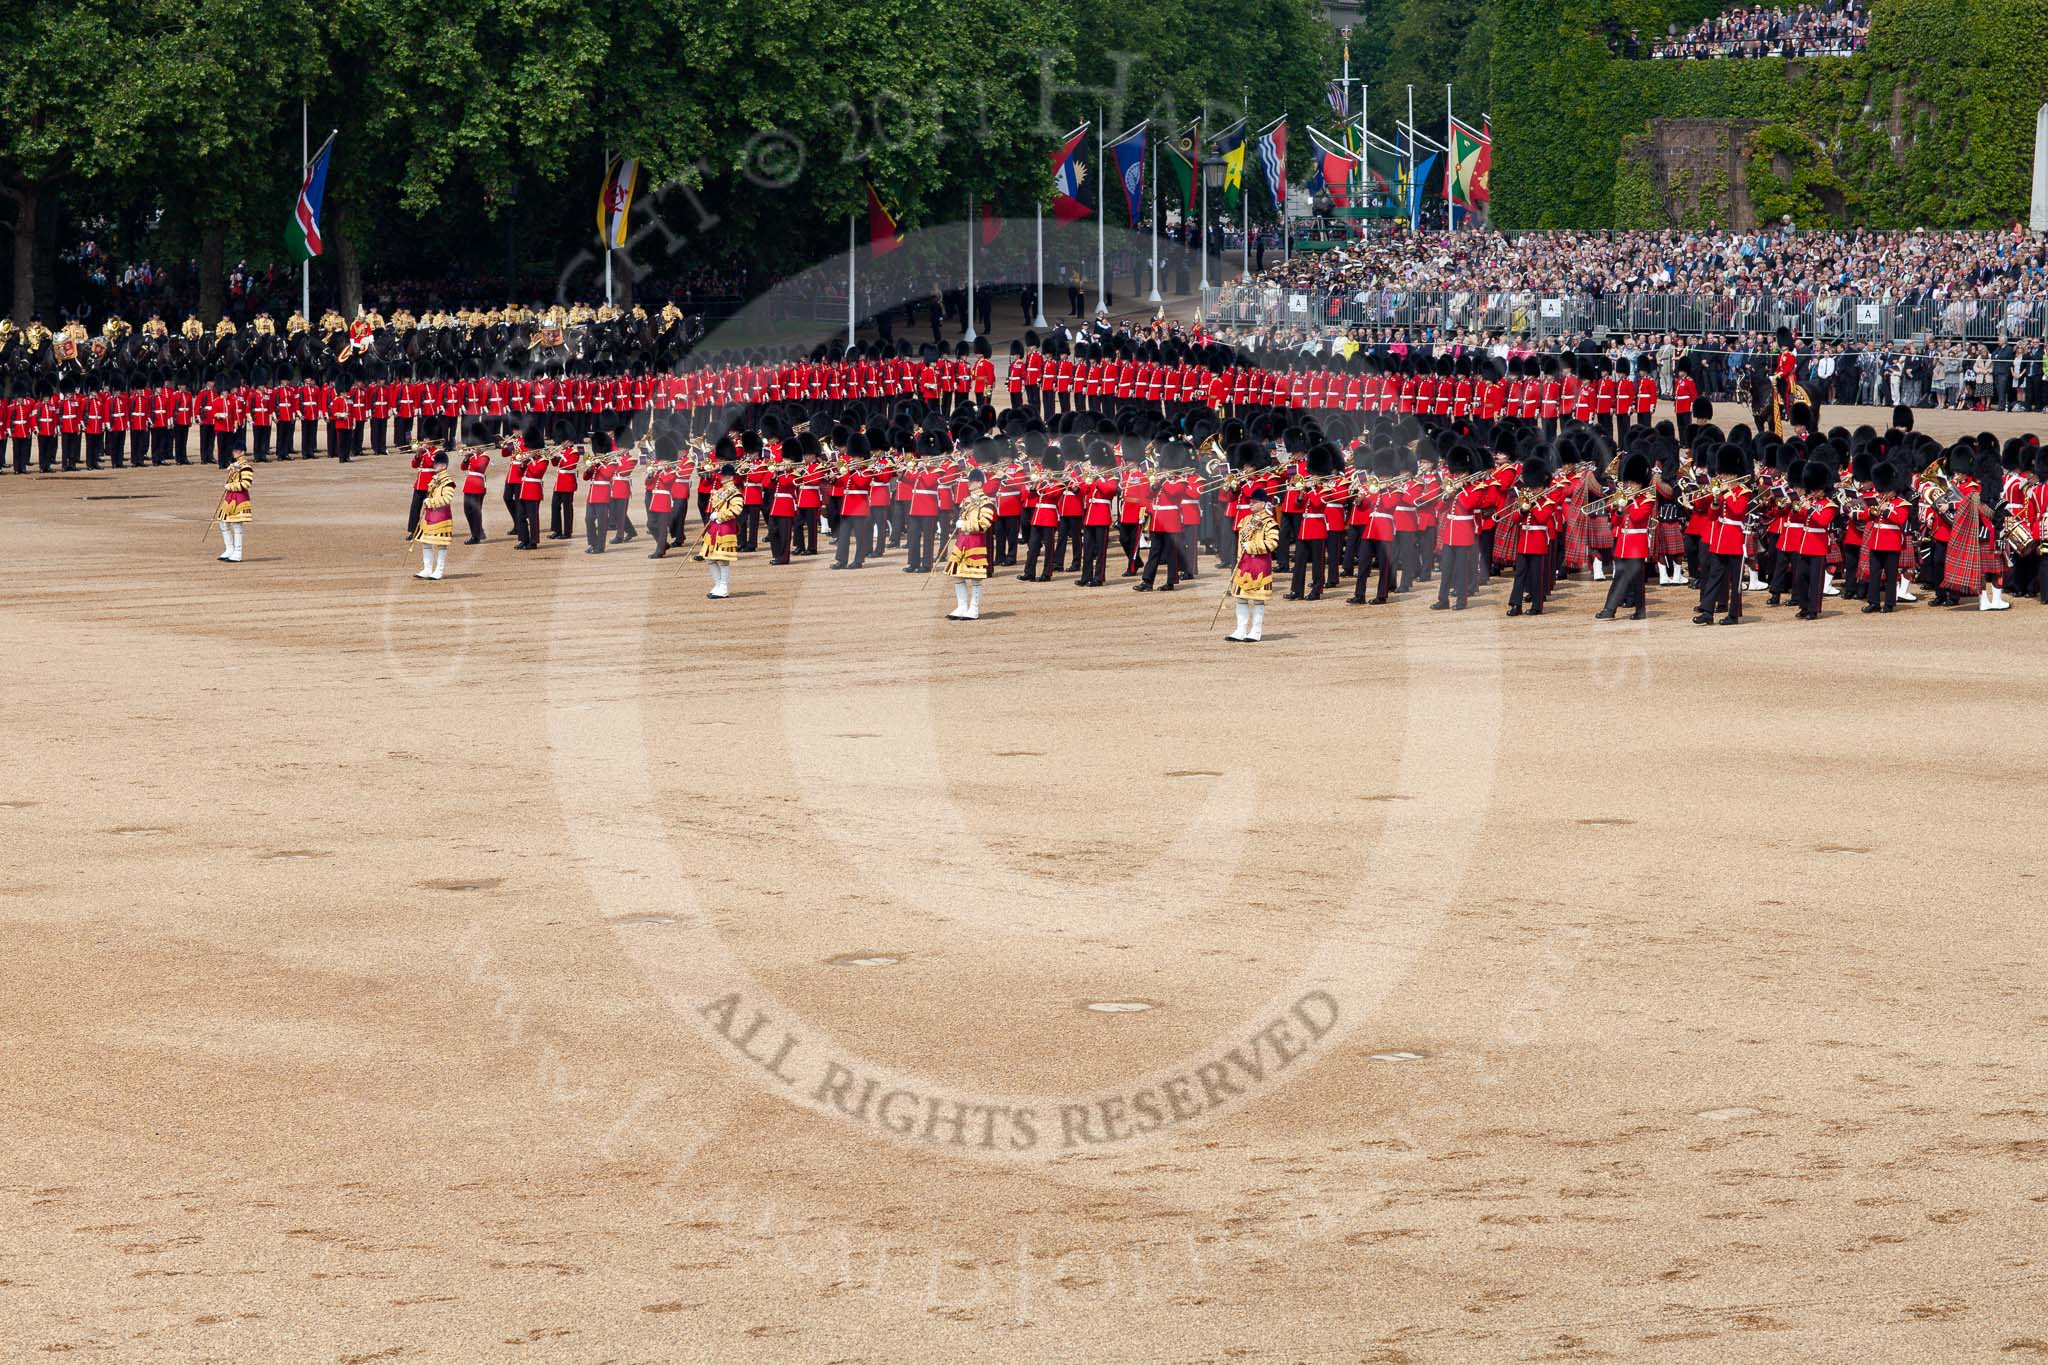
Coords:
pixel 1807 517
pixel 136 396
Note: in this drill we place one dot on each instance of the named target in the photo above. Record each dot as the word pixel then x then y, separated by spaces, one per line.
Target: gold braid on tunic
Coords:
pixel 721 542
pixel 240 478
pixel 976 516
pixel 440 494
pixel 1259 534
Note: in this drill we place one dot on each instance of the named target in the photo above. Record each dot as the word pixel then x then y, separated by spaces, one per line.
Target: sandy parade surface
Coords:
pixel 551 962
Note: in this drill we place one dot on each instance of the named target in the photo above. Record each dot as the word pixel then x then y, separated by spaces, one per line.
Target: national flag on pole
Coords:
pixel 1331 167
pixel 1069 177
pixel 303 237
pixel 1127 154
pixel 1229 149
pixel 884 236
pixel 991 224
pixel 1340 100
pixel 1418 183
pixel 1382 169
pixel 615 200
pixel 1272 150
pixel 1183 154
pixel 1470 165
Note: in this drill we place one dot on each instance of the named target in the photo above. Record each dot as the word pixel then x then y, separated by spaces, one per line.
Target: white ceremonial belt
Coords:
pixel 1737 523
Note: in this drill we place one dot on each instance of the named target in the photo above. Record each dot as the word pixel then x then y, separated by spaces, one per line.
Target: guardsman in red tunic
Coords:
pixel 810 496
pixel 850 534
pixel 533 475
pixel 1042 507
pixel 1098 487
pixel 515 467
pixel 95 422
pixel 1634 507
pixel 782 492
pixel 1034 377
pixel 1541 514
pixel 984 377
pixel 1165 522
pixel 1134 506
pixel 1817 480
pixel 1684 393
pixel 260 398
pixel 661 495
pixel 624 462
pixel 922 480
pixel 1461 530
pixel 1884 520
pixel 21 426
pixel 1604 393
pixel 561 487
pixel 474 466
pixel 1726 539
pixel 422 479
pixel 70 422
pixel 380 413
pixel 597 502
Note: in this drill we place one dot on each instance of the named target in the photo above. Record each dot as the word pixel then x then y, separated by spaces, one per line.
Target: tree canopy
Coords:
pixel 472 134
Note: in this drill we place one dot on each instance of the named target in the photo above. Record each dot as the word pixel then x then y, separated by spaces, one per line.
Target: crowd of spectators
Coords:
pixel 2006 376
pixel 1831 28
pixel 1782 262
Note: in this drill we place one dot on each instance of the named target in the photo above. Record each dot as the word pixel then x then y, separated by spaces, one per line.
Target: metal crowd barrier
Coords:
pixel 1830 317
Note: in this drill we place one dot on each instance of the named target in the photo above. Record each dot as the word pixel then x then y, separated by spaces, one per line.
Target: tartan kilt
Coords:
pixel 1834 552
pixel 1670 540
pixel 1600 532
pixel 1970 559
pixel 1863 562
pixel 1578 551
pixel 1506 531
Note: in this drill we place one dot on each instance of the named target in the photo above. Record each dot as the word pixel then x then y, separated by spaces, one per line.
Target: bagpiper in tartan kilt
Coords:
pixel 1973 553
pixel 1506 531
pixel 1578 545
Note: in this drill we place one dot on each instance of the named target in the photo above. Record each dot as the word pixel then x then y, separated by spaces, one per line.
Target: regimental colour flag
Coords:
pixel 1069 177
pixel 303 236
pixel 1470 166
pixel 615 200
pixel 1272 147
pixel 1183 152
pixel 1127 154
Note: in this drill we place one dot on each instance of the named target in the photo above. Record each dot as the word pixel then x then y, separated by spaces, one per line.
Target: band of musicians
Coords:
pixel 1120 456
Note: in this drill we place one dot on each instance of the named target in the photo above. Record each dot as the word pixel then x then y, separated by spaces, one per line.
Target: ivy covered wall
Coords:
pixel 1931 126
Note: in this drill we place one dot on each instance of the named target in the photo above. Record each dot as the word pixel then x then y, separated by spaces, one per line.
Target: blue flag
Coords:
pixel 1415 184
pixel 1129 155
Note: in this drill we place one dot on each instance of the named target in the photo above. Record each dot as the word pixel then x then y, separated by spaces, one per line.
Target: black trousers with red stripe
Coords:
pixel 1531 575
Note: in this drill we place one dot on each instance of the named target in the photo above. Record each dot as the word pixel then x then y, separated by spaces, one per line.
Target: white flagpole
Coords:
pixel 1101 214
pixel 607 226
pixel 305 266
pixel 1450 163
pixel 852 258
pixel 1038 216
pixel 1156 297
pixel 1244 196
pixel 973 226
pixel 1286 232
pixel 1364 150
pixel 1414 151
pixel 1201 189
